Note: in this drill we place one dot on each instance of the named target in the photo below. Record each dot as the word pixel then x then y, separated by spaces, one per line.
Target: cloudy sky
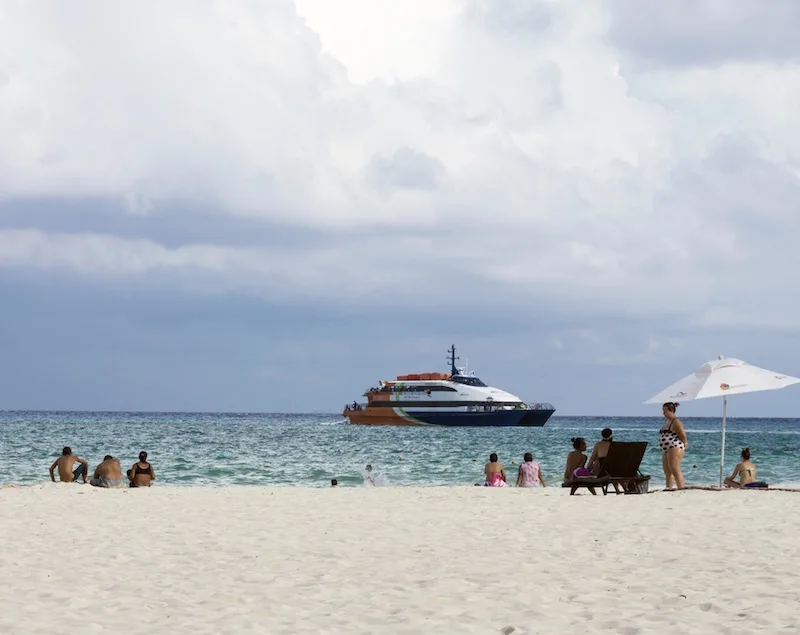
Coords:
pixel 261 206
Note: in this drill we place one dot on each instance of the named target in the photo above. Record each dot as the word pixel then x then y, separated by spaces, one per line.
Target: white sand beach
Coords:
pixel 396 560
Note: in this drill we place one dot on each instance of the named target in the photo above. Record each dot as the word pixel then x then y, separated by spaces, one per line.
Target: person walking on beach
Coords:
pixel 65 463
pixel 576 460
pixel 530 473
pixel 673 443
pixel 141 474
pixel 494 472
pixel 746 471
pixel 600 451
pixel 108 473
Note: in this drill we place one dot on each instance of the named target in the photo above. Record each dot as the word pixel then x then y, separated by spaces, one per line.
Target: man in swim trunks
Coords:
pixel 108 473
pixel 65 463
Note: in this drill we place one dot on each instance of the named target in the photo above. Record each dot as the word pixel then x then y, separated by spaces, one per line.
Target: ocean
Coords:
pixel 310 449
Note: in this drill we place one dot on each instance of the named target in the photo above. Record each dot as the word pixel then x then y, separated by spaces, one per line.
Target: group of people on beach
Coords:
pixel 108 472
pixel 672 442
pixel 529 473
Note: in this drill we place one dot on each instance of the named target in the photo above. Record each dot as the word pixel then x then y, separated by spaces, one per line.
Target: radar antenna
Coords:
pixel 451 359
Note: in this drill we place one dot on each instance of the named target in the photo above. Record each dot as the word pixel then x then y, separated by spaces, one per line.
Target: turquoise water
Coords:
pixel 310 449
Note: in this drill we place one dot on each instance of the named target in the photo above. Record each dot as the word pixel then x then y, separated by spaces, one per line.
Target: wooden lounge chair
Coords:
pixel 620 468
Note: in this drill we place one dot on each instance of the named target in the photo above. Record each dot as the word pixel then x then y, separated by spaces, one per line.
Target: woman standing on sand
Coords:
pixel 530 473
pixel 673 443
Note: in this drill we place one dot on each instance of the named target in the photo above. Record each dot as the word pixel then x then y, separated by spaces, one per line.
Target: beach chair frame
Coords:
pixel 620 468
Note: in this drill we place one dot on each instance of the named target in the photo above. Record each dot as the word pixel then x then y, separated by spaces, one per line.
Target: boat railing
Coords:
pixel 541 406
pixel 354 406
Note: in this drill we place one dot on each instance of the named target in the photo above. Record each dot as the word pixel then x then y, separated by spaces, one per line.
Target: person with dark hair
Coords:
pixel 530 473
pixel 673 443
pixel 746 471
pixel 494 472
pixel 142 473
pixel 576 460
pixel 334 483
pixel 108 473
pixel 65 463
pixel 600 451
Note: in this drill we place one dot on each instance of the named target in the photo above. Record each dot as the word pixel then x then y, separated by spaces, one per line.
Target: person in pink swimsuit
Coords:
pixel 494 472
pixel 530 473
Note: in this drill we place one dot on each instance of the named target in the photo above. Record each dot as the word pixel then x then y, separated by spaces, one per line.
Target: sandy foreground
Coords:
pixel 396 560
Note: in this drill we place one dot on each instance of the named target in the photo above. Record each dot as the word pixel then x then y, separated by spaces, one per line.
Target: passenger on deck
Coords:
pixel 494 472
pixel 576 460
pixel 530 473
pixel 600 451
pixel 108 473
pixel 746 471
pixel 65 463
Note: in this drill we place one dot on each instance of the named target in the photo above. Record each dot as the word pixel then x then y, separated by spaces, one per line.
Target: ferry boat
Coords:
pixel 457 399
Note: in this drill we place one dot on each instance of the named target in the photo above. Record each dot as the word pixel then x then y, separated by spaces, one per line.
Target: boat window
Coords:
pixel 469 381
pixel 418 388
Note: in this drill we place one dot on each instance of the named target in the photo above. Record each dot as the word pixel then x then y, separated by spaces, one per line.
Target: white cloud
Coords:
pixel 486 150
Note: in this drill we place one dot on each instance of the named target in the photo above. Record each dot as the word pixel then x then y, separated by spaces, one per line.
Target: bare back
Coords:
pixel 747 472
pixel 65 464
pixel 575 459
pixel 493 468
pixel 109 469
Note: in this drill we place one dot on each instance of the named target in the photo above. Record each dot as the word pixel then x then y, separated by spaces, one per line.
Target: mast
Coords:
pixel 451 359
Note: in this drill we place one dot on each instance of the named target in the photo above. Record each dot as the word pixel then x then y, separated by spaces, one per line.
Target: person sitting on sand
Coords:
pixel 141 474
pixel 600 451
pixel 64 463
pixel 494 472
pixel 746 471
pixel 576 461
pixel 530 473
pixel 108 473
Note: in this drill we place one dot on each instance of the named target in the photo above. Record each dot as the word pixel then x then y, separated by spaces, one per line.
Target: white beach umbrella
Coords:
pixel 719 378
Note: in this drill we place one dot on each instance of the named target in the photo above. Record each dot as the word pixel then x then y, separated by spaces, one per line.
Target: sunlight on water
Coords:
pixel 309 450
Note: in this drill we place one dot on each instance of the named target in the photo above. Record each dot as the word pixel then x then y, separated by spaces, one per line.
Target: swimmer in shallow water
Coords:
pixel 746 471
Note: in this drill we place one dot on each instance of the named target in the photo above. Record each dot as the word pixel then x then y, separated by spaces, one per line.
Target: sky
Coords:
pixel 269 206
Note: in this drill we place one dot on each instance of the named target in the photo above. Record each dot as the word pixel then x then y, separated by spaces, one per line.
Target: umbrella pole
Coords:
pixel 722 452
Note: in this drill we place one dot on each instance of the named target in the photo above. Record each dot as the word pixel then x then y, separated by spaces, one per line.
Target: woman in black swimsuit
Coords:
pixel 141 474
pixel 673 443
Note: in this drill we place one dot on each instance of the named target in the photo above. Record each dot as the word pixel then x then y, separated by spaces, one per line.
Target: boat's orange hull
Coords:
pixel 379 417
